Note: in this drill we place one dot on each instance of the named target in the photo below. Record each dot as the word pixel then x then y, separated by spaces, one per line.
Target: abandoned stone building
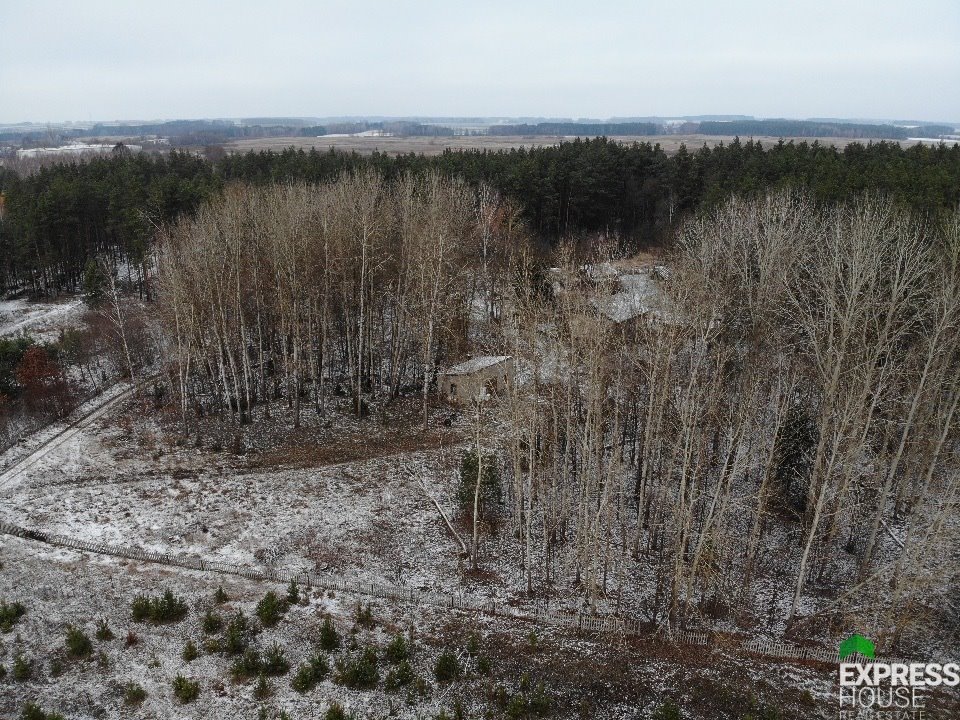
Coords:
pixel 478 377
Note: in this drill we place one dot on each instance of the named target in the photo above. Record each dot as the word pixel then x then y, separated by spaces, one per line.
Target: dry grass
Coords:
pixel 595 676
pixel 352 449
pixel 436 145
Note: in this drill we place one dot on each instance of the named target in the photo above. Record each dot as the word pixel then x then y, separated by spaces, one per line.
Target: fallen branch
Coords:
pixel 886 527
pixel 463 545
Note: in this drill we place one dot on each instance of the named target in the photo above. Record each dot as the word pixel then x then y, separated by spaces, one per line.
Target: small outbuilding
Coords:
pixel 479 377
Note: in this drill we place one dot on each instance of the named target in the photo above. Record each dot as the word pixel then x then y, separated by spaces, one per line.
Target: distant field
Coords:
pixel 436 145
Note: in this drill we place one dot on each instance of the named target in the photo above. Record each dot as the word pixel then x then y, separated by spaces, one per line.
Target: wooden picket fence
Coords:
pixel 598 624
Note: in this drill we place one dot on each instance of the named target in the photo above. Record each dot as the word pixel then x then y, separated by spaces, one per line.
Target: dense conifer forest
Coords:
pixel 57 217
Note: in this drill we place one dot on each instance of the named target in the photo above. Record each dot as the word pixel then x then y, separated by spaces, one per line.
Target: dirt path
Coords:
pixel 608 626
pixel 55 435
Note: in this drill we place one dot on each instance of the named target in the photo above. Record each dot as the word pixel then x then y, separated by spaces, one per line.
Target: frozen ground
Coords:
pixel 583 676
pixel 369 519
pixel 348 500
pixel 353 502
pixel 43 321
pixel 35 448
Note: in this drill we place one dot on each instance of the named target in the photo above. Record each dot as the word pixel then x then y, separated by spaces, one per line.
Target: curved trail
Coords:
pixel 90 413
pixel 598 624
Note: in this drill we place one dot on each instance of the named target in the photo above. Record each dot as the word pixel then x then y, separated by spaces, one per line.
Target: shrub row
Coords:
pixel 166 608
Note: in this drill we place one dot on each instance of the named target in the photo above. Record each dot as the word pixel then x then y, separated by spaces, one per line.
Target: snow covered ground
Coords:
pixel 124 478
pixel 369 519
pixel 41 320
pixel 580 674
pixel 37 446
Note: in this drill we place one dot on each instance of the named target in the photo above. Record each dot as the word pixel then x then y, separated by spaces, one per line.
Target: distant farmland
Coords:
pixel 436 145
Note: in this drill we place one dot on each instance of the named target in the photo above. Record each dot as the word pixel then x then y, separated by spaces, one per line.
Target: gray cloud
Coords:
pixel 123 60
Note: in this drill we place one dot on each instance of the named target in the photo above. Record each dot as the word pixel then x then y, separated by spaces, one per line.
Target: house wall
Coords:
pixel 470 386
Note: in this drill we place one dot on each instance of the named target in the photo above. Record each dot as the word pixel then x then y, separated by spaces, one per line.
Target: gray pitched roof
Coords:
pixel 478 363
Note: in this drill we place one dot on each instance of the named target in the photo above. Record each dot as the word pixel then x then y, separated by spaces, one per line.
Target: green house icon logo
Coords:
pixel 856 644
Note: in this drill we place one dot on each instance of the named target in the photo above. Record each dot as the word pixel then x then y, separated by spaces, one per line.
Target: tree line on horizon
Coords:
pixel 202 133
pixel 57 217
pixel 817 128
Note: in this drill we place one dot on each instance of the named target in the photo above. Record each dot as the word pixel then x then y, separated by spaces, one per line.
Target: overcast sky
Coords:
pixel 104 60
